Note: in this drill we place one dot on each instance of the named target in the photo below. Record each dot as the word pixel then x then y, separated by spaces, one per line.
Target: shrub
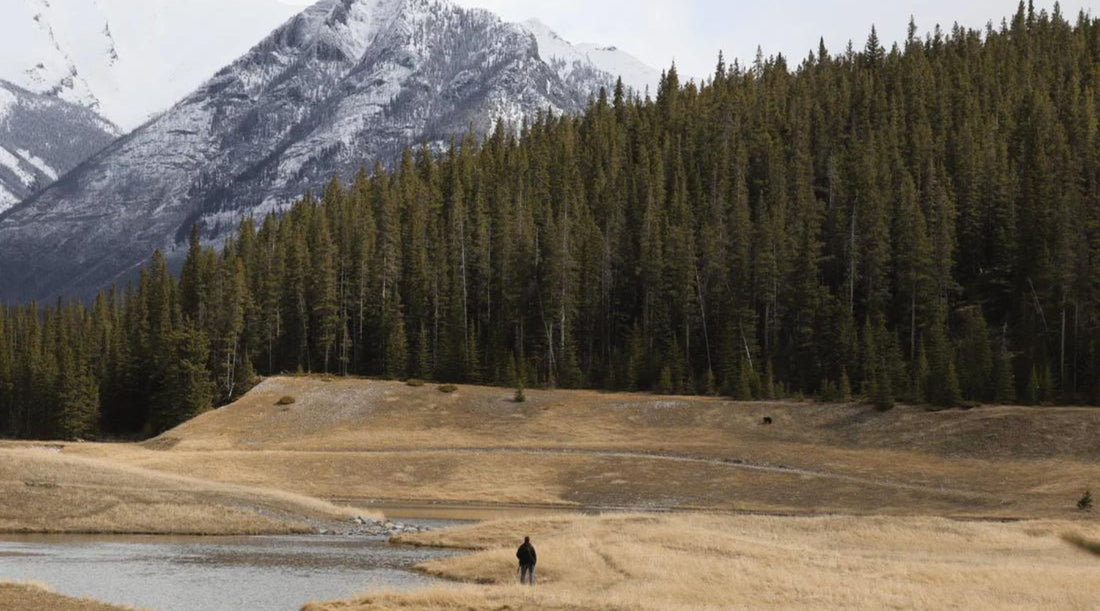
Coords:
pixel 288 400
pixel 1085 502
pixel 414 382
pixel 448 388
pixel 520 397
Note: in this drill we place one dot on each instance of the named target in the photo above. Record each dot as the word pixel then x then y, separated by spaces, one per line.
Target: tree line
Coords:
pixel 920 224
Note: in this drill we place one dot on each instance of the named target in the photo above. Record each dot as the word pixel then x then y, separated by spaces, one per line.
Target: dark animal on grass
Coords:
pixel 767 420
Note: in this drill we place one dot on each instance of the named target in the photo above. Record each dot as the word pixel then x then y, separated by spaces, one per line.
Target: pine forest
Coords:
pixel 917 224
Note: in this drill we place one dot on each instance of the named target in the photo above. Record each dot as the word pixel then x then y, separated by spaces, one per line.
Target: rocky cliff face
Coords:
pixel 41 138
pixel 342 84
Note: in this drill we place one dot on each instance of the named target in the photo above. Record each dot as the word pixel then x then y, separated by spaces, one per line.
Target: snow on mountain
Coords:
pixel 42 137
pixel 127 60
pixel 7 101
pixel 579 61
pixel 342 84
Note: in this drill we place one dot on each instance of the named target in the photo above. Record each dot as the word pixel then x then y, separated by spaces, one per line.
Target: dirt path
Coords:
pixel 731 463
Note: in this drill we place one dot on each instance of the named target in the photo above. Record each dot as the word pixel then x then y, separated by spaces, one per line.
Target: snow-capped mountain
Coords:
pixel 580 61
pixel 342 84
pixel 127 60
pixel 42 137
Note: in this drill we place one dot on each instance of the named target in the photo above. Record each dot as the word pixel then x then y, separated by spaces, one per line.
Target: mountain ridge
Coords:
pixel 343 83
pixel 127 61
pixel 41 138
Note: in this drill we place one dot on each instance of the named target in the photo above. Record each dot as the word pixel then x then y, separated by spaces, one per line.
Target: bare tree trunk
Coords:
pixel 465 292
pixel 551 365
pixel 230 367
pixel 745 342
pixel 852 261
pixel 913 325
pixel 1038 306
pixel 489 285
pixel 1062 355
pixel 361 322
pixel 1076 328
pixel 703 315
pixel 564 272
pixel 767 329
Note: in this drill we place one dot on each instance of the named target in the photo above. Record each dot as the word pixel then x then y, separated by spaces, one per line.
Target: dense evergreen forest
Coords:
pixel 918 224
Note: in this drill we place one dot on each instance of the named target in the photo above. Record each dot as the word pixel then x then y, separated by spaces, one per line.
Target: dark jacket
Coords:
pixel 526 555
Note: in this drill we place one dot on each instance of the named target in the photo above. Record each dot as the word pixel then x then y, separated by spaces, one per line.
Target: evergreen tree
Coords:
pixel 867 217
pixel 1004 381
pixel 975 360
pixel 183 389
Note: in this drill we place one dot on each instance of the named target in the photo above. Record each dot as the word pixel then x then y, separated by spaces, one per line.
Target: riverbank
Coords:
pixel 670 562
pixel 47 492
pixel 16 596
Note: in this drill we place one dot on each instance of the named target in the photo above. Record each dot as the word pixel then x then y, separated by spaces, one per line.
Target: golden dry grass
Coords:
pixel 357 414
pixel 902 471
pixel 595 479
pixel 23 596
pixel 43 491
pixel 368 440
pixel 1076 540
pixel 684 561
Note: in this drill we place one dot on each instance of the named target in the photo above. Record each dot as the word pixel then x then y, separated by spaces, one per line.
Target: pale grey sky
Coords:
pixel 691 32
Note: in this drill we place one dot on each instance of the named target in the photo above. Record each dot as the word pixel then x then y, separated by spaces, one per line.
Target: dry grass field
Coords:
pixel 367 441
pixel 671 562
pixel 830 506
pixel 16 596
pixel 45 492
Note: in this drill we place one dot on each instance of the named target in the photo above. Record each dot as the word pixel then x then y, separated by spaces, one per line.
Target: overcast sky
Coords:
pixel 691 32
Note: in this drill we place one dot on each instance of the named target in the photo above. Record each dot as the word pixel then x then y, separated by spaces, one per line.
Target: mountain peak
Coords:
pixel 127 60
pixel 569 59
pixel 339 86
pixel 130 61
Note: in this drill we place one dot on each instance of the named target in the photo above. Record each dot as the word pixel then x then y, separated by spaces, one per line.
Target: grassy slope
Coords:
pixel 363 439
pixel 47 492
pixel 33 597
pixel 697 561
pixel 384 440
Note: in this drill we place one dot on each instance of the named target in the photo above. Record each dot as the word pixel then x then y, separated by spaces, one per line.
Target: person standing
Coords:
pixel 527 559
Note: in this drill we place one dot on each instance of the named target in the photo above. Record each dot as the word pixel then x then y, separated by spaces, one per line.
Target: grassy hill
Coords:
pixel 357 414
pixel 372 440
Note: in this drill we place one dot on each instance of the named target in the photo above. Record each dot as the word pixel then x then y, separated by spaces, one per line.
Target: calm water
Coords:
pixel 211 573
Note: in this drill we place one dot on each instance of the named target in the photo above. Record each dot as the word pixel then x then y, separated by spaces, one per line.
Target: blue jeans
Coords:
pixel 528 572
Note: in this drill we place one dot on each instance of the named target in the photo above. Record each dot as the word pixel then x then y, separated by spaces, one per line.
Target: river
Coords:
pixel 212 573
